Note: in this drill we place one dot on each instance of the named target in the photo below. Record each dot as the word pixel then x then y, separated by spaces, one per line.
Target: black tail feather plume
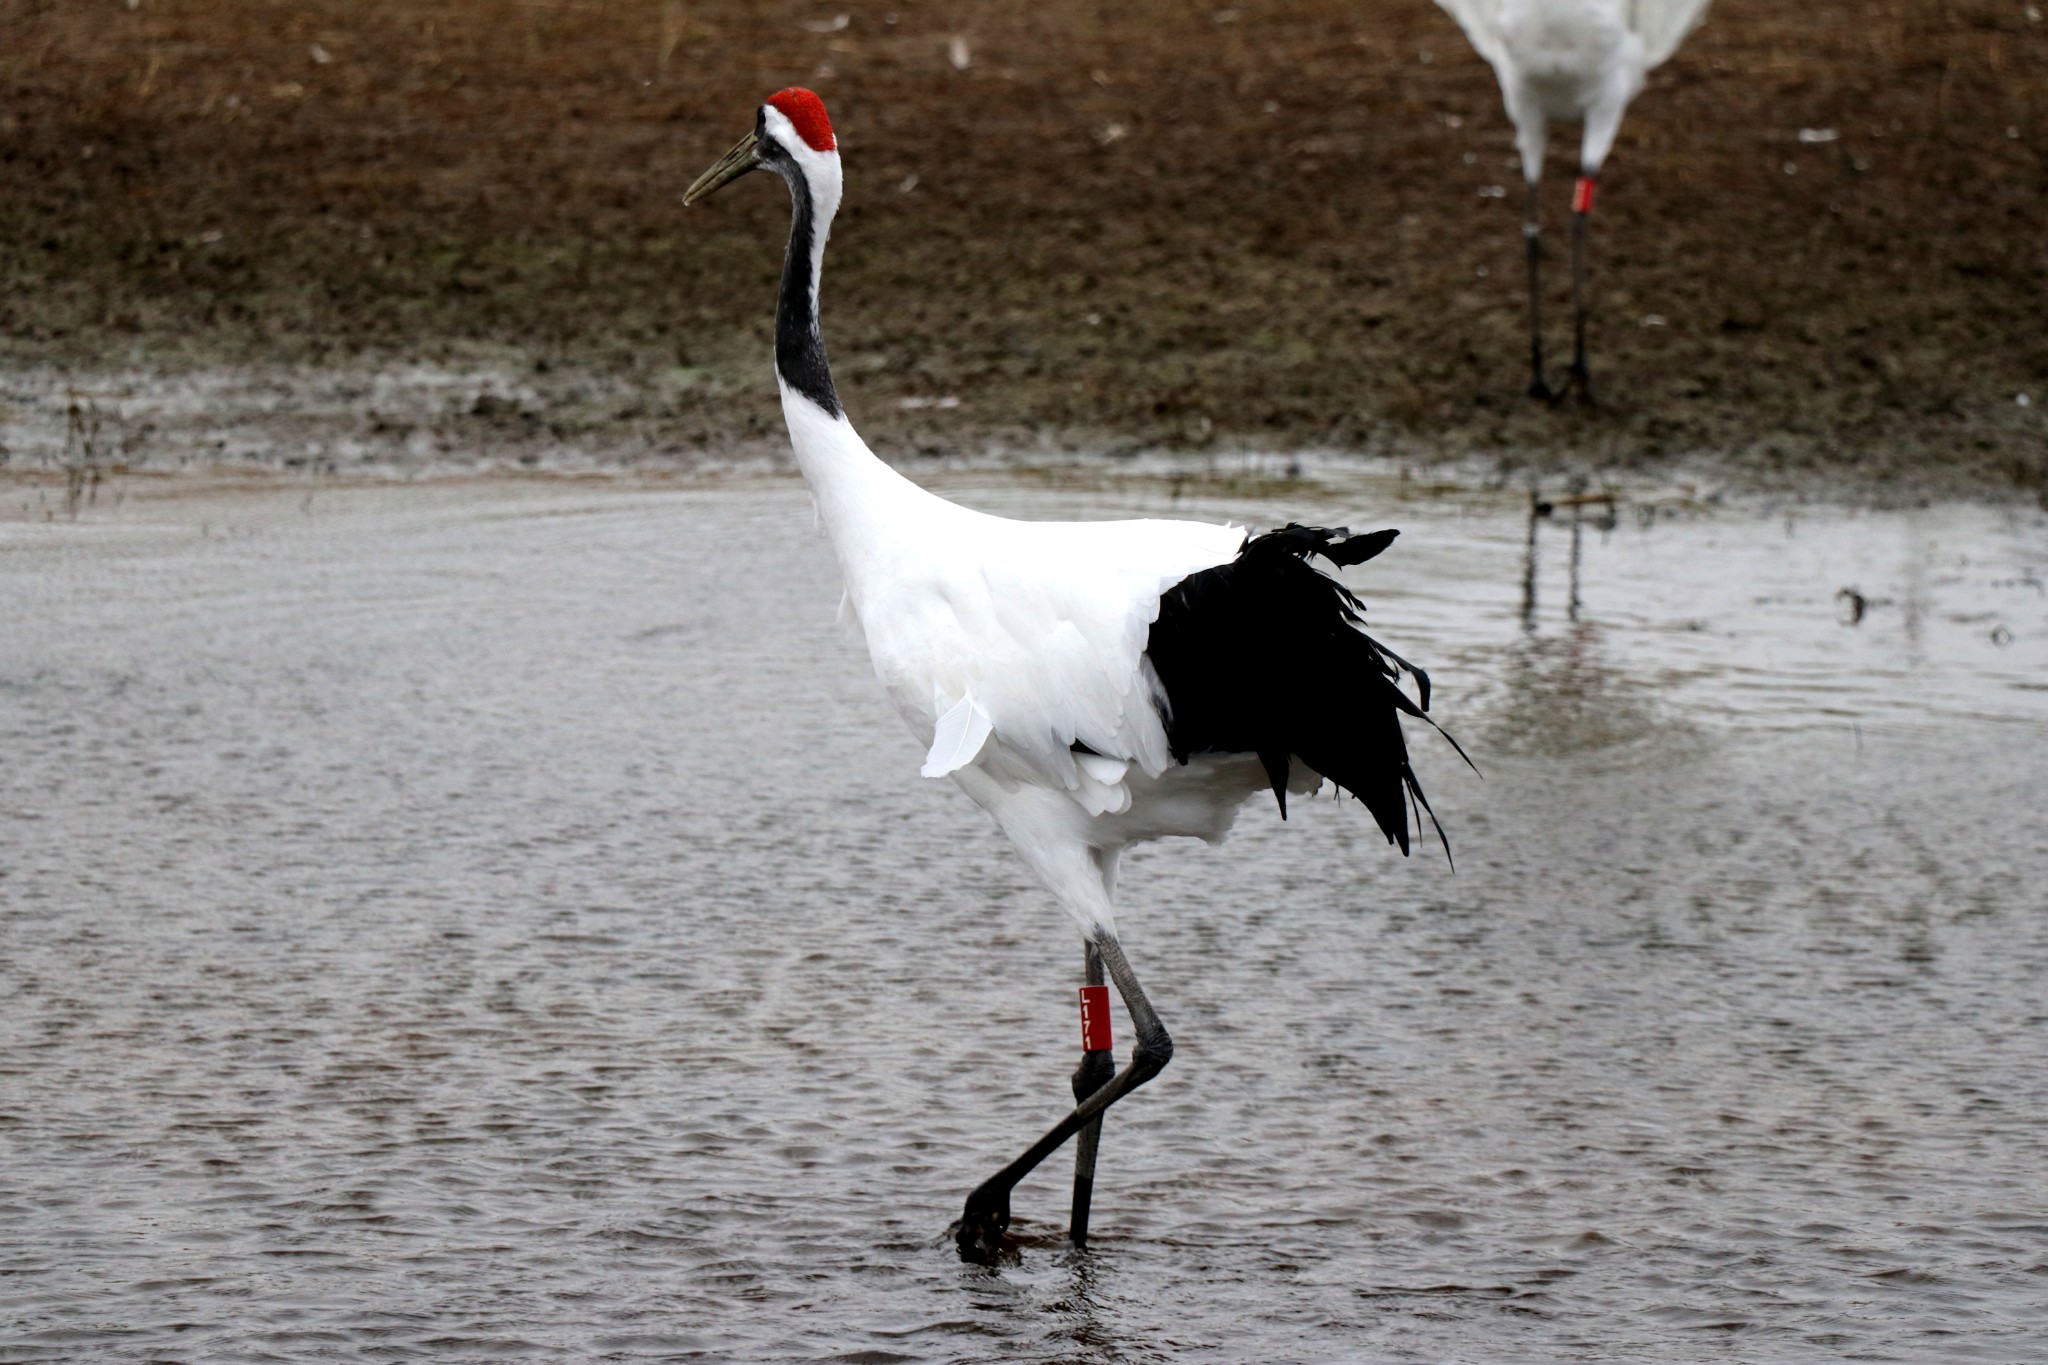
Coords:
pixel 1267 655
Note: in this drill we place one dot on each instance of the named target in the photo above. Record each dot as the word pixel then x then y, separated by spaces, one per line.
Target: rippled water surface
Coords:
pixel 502 920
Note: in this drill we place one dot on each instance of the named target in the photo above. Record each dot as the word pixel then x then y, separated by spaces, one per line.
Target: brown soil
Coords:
pixel 1133 225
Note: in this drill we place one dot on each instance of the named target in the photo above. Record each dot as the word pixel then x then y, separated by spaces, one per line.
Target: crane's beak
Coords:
pixel 744 156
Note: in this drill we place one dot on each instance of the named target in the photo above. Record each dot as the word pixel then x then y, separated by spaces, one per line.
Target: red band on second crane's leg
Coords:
pixel 1582 194
pixel 1095 1019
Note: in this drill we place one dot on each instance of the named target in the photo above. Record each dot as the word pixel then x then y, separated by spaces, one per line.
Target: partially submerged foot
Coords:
pixel 979 1233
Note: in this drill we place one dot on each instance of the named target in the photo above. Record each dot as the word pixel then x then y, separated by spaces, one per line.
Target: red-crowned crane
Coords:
pixel 1578 61
pixel 1089 684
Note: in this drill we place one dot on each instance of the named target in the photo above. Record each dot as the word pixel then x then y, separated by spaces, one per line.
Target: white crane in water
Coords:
pixel 1577 61
pixel 1089 684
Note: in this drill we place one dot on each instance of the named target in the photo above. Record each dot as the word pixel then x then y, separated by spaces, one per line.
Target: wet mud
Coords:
pixel 1271 226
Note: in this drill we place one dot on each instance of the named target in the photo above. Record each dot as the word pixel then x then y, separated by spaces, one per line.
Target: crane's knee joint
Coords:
pixel 1154 1051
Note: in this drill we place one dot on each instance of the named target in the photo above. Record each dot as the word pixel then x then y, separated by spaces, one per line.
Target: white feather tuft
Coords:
pixel 963 730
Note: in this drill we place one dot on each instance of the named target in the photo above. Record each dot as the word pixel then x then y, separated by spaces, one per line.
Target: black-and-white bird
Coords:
pixel 1578 61
pixel 1089 684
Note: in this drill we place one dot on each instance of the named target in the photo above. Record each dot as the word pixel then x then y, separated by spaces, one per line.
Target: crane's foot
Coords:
pixel 1580 381
pixel 979 1233
pixel 1541 391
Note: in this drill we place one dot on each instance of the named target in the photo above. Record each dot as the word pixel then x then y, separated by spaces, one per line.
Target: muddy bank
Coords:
pixel 1265 226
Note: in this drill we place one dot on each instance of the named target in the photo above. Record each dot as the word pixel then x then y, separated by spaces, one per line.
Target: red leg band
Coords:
pixel 1582 195
pixel 1095 1019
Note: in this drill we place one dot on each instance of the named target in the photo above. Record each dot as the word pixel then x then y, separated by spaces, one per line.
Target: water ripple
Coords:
pixel 500 920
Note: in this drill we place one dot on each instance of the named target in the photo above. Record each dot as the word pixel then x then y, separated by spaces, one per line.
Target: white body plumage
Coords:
pixel 1004 644
pixel 1572 60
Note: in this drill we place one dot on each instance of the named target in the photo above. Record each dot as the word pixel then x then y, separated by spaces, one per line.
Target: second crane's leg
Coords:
pixel 979 1233
pixel 1582 211
pixel 1098 1065
pixel 1532 238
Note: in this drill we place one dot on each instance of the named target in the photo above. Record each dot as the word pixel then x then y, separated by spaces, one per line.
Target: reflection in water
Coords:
pixel 1562 696
pixel 1578 554
pixel 1092 1334
pixel 1562 693
pixel 1540 510
pixel 1537 511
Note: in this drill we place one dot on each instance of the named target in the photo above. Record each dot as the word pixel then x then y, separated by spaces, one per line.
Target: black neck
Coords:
pixel 799 349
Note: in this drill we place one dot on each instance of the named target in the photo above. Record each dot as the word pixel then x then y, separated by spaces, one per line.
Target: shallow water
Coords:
pixel 502 919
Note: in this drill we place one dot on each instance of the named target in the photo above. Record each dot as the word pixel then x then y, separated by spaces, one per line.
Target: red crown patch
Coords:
pixel 806 112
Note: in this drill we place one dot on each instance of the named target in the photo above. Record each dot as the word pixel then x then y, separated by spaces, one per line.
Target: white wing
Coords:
pixel 1040 627
pixel 1481 21
pixel 1663 24
pixel 1076 602
pixel 1004 643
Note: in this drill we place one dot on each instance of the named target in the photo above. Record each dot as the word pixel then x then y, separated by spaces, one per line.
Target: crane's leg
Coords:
pixel 1581 377
pixel 1098 1065
pixel 1532 238
pixel 979 1233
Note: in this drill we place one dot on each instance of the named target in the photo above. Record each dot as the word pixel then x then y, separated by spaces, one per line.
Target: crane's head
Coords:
pixel 792 137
